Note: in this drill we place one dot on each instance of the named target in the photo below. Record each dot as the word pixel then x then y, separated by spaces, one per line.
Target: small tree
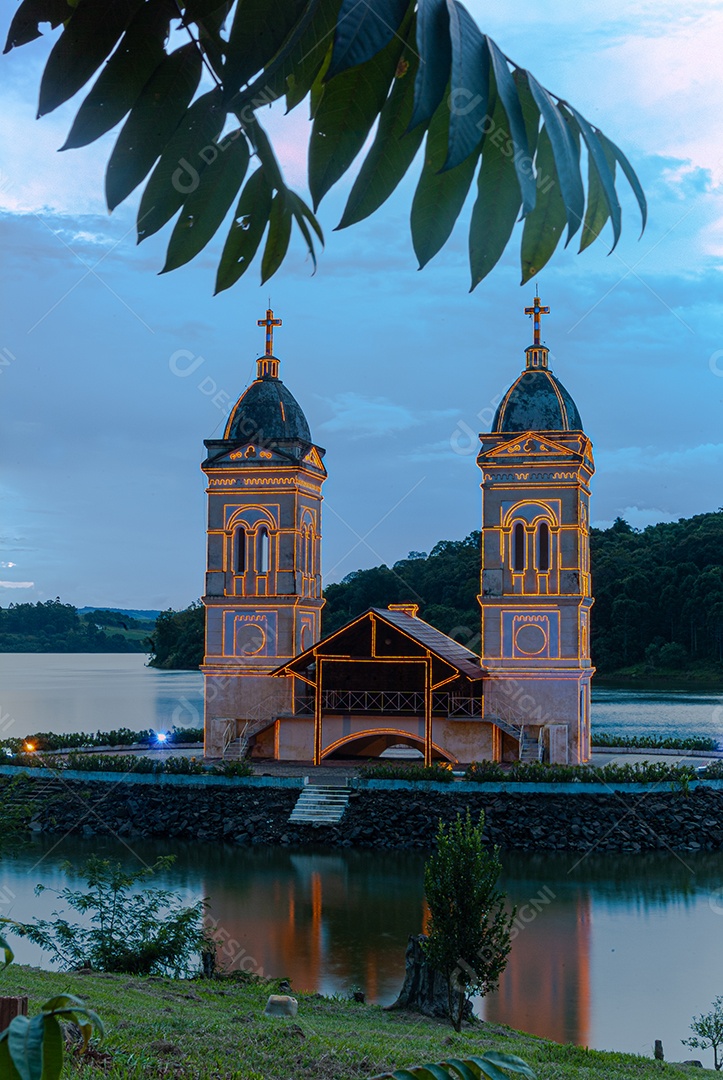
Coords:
pixel 708 1030
pixel 149 931
pixel 469 931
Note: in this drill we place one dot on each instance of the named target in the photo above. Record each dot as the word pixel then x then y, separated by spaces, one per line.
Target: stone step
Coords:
pixel 322 804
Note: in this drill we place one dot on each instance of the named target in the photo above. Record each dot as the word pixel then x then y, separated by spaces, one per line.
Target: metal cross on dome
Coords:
pixel 536 311
pixel 269 322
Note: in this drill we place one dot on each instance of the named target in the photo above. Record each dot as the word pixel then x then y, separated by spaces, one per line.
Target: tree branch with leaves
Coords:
pixel 411 71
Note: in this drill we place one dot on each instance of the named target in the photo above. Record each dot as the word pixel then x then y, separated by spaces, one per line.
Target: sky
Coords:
pixel 101 427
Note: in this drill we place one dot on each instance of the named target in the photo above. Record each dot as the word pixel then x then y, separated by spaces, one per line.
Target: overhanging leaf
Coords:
pixel 258 31
pixel 498 200
pixel 599 159
pixel 363 30
pixel 302 214
pixel 7 952
pixel 277 241
pixel 509 1061
pixel 250 221
pixel 507 91
pixel 630 176
pixel 597 210
pixel 52 1049
pixel 182 163
pixel 25 1043
pixel 435 58
pixel 120 82
pixel 25 26
pixel 89 36
pixel 469 86
pixel 567 156
pixel 545 225
pixel 152 121
pixel 350 105
pixel 461 1069
pixel 7 1069
pixel 393 149
pixel 206 207
pixel 440 196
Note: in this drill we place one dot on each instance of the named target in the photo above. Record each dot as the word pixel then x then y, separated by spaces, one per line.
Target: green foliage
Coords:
pixel 658 594
pixel 393 771
pixel 468 937
pixel 534 772
pixel 133 763
pixel 33 1049
pixel 464 93
pixel 177 641
pixel 656 742
pixel 708 1030
pixel 490 1066
pixel 141 932
pixel 52 626
pixel 234 768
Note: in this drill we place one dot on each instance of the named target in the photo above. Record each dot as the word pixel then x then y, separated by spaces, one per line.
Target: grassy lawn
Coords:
pixel 215 1030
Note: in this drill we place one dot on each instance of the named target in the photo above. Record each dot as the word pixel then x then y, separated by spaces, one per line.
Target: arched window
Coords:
pixel 263 550
pixel 308 552
pixel 543 547
pixel 518 547
pixel 240 551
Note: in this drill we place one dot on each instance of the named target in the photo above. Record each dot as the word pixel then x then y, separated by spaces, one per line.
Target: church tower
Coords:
pixel 535 597
pixel 263 575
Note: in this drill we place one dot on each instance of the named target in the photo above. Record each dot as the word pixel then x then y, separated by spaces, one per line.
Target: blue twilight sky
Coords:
pixel 100 442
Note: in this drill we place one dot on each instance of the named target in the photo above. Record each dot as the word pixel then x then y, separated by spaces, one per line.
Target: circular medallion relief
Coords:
pixel 531 639
pixel 250 639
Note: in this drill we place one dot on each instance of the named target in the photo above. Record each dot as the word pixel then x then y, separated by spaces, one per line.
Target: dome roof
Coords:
pixel 267 412
pixel 537 401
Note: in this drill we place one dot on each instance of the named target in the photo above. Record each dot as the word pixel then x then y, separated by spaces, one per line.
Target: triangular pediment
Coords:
pixel 313 459
pixel 530 445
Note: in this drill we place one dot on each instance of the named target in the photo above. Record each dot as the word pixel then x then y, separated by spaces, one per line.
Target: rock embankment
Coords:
pixel 614 822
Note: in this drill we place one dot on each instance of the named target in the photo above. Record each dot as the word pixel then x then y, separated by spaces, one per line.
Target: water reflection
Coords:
pixel 589 930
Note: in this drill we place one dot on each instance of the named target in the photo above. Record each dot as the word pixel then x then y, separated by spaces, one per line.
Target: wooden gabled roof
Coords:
pixel 411 626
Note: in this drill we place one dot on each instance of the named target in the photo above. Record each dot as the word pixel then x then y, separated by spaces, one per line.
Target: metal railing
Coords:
pixel 391 702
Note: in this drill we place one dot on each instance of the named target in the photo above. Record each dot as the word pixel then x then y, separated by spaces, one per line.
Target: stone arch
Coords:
pixel 372 742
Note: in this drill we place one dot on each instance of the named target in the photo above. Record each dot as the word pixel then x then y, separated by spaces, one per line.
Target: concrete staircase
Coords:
pixel 320 805
pixel 237 748
pixel 530 749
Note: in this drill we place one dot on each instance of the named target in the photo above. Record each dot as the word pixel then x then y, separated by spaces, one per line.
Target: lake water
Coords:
pixel 97 692
pixel 611 952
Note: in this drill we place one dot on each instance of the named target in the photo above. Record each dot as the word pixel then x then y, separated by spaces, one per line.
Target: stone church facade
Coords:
pixel 275 689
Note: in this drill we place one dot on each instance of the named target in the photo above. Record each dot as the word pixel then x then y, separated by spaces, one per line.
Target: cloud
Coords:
pixel 637 516
pixel 17 584
pixel 7 565
pixel 360 416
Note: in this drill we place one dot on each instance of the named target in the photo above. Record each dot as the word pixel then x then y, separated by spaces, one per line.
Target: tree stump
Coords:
pixel 10 1007
pixel 424 990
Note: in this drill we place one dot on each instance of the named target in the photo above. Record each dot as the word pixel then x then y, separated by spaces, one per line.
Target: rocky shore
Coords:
pixel 611 822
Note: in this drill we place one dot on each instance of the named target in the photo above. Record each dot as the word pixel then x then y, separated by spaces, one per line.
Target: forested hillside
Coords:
pixel 52 626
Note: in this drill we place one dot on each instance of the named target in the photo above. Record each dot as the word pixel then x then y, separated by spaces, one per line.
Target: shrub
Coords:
pixel 537 773
pixel 656 742
pixel 440 774
pixel 143 932
pixel 234 768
